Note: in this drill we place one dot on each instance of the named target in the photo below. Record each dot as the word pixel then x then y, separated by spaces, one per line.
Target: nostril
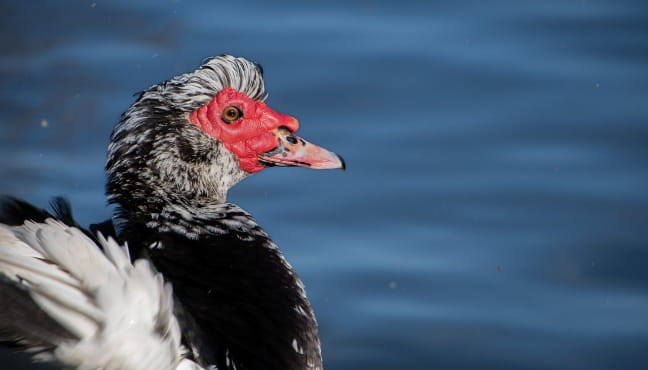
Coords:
pixel 291 139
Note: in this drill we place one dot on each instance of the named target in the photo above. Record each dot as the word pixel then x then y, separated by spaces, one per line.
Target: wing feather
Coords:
pixel 95 308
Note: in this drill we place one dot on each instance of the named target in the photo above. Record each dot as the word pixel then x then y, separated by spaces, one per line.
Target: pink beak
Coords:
pixel 295 151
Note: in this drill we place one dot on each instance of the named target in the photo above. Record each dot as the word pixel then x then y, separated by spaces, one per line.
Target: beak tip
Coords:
pixel 343 168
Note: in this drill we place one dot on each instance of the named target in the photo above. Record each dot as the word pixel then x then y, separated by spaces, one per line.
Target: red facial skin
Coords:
pixel 248 136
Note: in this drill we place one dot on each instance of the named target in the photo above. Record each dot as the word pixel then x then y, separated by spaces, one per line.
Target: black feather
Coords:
pixel 63 210
pixel 238 296
pixel 106 228
pixel 15 212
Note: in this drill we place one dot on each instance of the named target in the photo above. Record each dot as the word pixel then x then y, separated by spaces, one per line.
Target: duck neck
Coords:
pixel 152 169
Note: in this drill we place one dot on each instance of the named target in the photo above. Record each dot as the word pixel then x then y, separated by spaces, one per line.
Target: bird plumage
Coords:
pixel 236 302
pixel 82 302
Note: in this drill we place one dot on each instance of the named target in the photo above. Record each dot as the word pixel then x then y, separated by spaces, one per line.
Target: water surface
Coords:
pixel 494 212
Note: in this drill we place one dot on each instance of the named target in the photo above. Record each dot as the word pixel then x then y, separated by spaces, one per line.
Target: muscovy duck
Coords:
pixel 236 302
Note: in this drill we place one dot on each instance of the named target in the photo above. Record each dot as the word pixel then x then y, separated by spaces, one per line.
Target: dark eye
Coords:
pixel 232 113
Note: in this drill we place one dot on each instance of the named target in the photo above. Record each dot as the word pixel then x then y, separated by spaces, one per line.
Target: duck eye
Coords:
pixel 232 113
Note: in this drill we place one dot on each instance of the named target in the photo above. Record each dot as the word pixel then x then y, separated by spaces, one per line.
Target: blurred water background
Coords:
pixel 495 208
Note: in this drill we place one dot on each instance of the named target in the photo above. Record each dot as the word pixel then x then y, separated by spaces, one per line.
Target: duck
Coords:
pixel 178 278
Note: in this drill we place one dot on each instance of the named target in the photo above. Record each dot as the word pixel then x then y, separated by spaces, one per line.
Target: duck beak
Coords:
pixel 295 151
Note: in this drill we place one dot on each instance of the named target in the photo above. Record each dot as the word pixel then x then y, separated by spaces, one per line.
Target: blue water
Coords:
pixel 494 214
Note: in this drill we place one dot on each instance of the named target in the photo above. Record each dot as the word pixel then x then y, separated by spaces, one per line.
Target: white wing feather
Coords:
pixel 121 312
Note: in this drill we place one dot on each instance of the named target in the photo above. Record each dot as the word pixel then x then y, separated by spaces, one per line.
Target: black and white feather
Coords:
pixel 236 302
pixel 156 154
pixel 71 302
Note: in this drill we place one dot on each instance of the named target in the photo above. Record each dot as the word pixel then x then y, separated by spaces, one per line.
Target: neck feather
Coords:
pixel 167 164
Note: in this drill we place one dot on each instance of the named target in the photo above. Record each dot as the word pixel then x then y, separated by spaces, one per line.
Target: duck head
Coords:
pixel 188 140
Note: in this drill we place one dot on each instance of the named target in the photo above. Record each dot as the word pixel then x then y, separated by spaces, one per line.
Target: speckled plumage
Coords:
pixel 170 181
pixel 239 303
pixel 156 157
pixel 81 302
